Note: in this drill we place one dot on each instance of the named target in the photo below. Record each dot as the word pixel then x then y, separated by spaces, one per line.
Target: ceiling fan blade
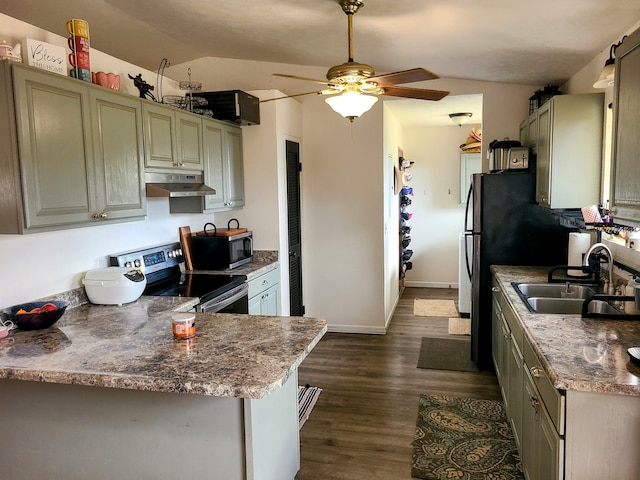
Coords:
pixel 405 76
pixel 327 91
pixel 296 77
pixel 418 93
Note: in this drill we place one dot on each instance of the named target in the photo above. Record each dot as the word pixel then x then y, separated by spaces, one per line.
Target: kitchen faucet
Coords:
pixel 602 246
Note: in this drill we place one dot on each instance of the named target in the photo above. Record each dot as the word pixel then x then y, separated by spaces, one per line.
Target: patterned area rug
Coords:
pixel 463 439
pixel 427 307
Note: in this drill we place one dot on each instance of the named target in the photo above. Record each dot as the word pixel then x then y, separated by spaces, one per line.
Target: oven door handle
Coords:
pixel 220 303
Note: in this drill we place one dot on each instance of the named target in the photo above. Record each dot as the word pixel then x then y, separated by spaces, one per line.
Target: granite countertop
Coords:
pixel 582 354
pixel 132 347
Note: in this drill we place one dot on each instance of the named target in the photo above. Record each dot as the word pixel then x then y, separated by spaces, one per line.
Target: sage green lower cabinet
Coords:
pixel 72 153
pixel 539 441
pixel 508 359
pixel 542 447
pixel 264 293
pixel 561 435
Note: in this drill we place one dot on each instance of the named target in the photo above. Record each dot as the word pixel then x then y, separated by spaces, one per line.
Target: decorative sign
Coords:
pixel 45 56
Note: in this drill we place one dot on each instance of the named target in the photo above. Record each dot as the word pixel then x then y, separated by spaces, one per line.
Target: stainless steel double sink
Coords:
pixel 563 298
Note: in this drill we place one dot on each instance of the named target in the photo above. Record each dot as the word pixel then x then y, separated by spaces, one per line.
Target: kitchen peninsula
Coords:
pixel 107 392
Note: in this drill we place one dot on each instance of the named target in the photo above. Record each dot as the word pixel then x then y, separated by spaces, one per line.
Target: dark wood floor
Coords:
pixel 362 425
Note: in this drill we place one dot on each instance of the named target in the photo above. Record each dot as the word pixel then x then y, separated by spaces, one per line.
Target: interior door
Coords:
pixel 296 304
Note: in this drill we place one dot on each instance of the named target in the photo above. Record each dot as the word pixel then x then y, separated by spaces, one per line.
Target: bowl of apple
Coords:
pixel 37 315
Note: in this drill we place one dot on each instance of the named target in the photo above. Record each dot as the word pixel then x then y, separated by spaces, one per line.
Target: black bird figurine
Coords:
pixel 143 87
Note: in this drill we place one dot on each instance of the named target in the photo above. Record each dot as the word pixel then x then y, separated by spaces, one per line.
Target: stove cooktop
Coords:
pixel 163 266
pixel 201 285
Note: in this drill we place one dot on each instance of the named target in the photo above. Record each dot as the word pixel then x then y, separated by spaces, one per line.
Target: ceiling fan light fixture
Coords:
pixel 351 104
pixel 460 118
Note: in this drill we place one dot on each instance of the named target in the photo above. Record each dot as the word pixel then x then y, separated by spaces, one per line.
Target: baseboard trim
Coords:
pixel 431 284
pixel 366 329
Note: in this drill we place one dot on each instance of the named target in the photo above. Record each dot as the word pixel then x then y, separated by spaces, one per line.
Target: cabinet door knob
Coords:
pixel 536 372
pixel 534 402
pixel 495 289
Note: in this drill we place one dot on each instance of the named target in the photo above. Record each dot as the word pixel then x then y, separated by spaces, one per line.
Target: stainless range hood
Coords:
pixel 176 185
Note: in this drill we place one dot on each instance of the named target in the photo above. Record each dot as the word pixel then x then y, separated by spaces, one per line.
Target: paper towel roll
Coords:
pixel 579 243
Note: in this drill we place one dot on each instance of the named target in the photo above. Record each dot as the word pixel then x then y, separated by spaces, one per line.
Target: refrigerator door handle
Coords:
pixel 468 232
pixel 466 253
pixel 466 211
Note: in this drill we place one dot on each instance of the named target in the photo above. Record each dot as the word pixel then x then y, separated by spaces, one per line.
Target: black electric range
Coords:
pixel 163 265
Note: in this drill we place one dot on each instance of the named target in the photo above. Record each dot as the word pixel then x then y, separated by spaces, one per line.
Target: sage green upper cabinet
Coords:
pixel 529 132
pixel 234 174
pixel 173 138
pixel 53 117
pixel 625 169
pixel 223 169
pixel 72 153
pixel 189 141
pixel 213 135
pixel 118 151
pixel 569 151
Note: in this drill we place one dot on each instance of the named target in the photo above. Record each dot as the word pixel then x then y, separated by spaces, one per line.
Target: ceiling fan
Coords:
pixel 355 86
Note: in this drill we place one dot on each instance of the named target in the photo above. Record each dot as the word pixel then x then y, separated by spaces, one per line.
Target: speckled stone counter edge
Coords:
pixel 562 342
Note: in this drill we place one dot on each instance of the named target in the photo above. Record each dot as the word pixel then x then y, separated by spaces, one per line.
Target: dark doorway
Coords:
pixel 296 305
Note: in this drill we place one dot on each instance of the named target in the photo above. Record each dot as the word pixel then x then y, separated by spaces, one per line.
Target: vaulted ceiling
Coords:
pixel 540 42
pixel 535 43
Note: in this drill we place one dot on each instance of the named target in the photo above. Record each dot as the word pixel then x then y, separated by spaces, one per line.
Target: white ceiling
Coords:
pixel 415 113
pixel 534 43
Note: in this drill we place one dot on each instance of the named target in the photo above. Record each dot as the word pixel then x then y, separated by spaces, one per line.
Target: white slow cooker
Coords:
pixel 114 285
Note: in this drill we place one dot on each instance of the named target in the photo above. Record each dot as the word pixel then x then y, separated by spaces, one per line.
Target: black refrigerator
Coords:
pixel 507 227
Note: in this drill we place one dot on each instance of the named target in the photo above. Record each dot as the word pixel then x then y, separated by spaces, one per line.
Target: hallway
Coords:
pixel 362 425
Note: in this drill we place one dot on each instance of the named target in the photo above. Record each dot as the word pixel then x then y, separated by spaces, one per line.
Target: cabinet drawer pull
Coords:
pixel 506 335
pixel 536 372
pixel 265 282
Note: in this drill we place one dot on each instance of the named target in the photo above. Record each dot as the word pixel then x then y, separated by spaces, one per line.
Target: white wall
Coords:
pixel 392 142
pixel 42 264
pixel 13 31
pixel 438 216
pixel 343 209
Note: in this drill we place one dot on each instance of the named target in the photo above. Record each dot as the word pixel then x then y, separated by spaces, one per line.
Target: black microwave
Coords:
pixel 215 252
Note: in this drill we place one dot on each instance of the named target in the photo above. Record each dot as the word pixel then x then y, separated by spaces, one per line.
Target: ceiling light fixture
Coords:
pixel 460 118
pixel 608 71
pixel 351 104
